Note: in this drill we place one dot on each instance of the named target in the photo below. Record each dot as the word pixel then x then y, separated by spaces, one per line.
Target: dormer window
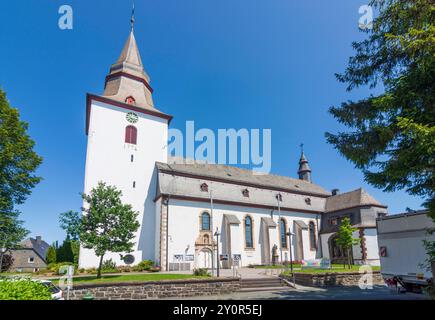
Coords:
pixel 245 193
pixel 204 187
pixel 130 100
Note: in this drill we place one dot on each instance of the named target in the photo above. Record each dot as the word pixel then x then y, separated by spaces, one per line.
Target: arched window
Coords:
pixel 282 230
pixel 249 242
pixel 131 135
pixel 312 231
pixel 205 221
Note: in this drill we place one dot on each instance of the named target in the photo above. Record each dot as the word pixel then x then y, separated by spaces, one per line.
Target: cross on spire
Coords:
pixel 302 147
pixel 132 17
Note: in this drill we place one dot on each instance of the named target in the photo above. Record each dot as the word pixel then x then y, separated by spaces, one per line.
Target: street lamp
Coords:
pixel 217 234
pixel 290 234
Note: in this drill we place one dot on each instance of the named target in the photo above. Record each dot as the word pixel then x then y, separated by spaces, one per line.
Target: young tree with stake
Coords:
pixel 108 225
pixel 346 240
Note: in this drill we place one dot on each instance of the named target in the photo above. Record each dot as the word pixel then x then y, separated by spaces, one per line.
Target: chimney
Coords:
pixel 38 239
pixel 335 192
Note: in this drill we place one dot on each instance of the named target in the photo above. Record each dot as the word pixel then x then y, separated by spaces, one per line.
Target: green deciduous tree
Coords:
pixel 70 221
pixel 108 224
pixel 12 233
pixel 346 240
pixel 393 135
pixel 18 161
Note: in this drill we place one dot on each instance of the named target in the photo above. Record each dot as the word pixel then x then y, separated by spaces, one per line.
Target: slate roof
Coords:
pixel 40 247
pixel 244 176
pixel 352 199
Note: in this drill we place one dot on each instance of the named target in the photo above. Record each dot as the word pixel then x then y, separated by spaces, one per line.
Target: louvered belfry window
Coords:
pixel 131 135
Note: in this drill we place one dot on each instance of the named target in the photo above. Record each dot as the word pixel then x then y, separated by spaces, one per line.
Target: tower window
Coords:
pixel 134 184
pixel 131 135
pixel 130 100
pixel 132 158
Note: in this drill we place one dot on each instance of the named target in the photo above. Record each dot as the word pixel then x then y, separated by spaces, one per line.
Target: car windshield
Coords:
pixel 51 287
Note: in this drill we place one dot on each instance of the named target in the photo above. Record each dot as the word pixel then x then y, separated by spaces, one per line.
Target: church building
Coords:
pixel 189 211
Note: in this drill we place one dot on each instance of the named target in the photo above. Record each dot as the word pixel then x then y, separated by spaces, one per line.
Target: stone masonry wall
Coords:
pixel 332 279
pixel 156 290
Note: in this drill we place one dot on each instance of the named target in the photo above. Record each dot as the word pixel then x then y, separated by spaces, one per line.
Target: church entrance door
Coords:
pixel 204 259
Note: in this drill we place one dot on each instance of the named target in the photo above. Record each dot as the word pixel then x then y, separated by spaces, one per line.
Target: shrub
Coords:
pixel 109 266
pixel 23 289
pixel 155 269
pixel 91 271
pixel 55 267
pixel 145 265
pixel 201 272
pixel 125 269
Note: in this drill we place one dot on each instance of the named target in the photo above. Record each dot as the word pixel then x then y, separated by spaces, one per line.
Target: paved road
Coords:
pixel 308 293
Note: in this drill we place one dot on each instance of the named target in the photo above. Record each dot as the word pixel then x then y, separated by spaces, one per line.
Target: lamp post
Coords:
pixel 290 234
pixel 217 234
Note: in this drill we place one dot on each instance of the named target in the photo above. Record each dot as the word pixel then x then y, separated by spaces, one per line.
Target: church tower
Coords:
pixel 127 135
pixel 304 171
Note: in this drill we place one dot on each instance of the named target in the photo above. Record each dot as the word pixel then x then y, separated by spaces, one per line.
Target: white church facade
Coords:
pixel 181 205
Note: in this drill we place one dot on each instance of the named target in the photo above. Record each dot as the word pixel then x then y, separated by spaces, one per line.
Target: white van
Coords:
pixel 401 250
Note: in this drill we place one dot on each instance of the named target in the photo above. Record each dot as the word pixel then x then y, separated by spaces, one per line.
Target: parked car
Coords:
pixel 56 293
pixel 401 250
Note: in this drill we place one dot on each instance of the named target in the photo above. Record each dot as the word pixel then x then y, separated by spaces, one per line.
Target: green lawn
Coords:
pixel 132 278
pixel 336 268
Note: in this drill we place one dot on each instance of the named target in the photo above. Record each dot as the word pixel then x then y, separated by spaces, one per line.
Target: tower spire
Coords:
pixel 304 171
pixel 127 81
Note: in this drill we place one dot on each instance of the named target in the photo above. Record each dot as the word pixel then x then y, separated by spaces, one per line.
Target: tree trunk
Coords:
pixel 99 267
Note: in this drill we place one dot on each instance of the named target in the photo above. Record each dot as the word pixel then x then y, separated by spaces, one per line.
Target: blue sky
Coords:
pixel 224 64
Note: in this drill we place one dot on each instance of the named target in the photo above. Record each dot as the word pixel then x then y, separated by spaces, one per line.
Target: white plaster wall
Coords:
pixel 184 228
pixel 372 246
pixel 356 249
pixel 324 240
pixel 158 214
pixel 108 159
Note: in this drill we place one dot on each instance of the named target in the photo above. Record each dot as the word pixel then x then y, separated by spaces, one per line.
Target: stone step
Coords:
pixel 262 283
pixel 258 289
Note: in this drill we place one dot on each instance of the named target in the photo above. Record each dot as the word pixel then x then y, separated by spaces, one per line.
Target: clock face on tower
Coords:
pixel 132 117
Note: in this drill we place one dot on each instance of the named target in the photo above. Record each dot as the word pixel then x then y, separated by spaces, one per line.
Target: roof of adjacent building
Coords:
pixel 244 177
pixel 38 245
pixel 356 198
